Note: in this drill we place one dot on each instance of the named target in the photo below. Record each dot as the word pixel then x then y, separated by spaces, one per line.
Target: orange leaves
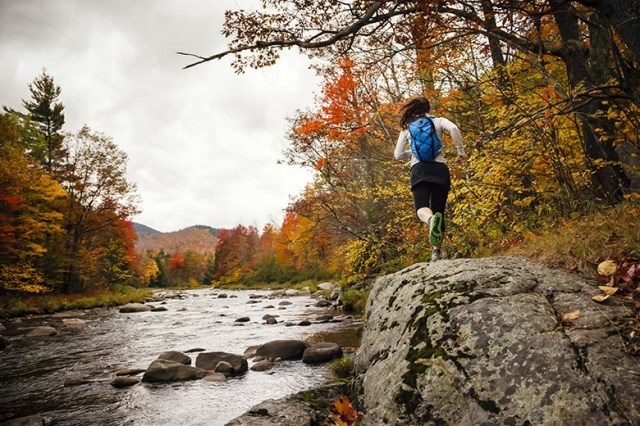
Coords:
pixel 320 163
pixel 343 413
pixel 309 126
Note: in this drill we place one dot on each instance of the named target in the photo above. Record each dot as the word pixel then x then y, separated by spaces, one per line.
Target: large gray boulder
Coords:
pixel 209 361
pixel 162 370
pixel 283 349
pixel 482 341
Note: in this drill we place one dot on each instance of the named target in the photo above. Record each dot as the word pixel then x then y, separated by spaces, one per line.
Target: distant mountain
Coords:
pixel 199 238
pixel 143 229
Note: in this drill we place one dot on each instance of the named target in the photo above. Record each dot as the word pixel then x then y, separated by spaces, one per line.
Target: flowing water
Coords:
pixel 33 369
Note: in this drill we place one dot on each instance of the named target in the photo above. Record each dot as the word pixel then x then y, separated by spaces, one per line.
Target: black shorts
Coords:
pixel 432 195
pixel 430 184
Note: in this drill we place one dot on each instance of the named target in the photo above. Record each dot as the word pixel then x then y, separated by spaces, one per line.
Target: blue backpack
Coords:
pixel 425 143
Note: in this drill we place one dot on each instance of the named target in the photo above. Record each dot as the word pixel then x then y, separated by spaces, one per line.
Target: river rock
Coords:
pixel 42 331
pixel 322 303
pixel 195 350
pixel 224 367
pixel 285 303
pixel 159 309
pixel 250 352
pixel 34 420
pixel 304 323
pixel 134 307
pixel 76 323
pixel 269 307
pixel 175 356
pixel 162 370
pixel 222 296
pixel 209 361
pixel 285 349
pixel 321 352
pixel 243 319
pixel 271 320
pixel 129 371
pixel 214 377
pixel 255 296
pixel 252 301
pixel 124 381
pixel 326 286
pixel 324 318
pixel 481 341
pixel 263 365
pixel 291 292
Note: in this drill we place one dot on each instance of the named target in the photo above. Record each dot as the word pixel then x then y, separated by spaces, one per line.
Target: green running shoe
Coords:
pixel 435 229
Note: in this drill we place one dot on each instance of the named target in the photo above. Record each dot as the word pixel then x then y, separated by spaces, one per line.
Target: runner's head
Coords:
pixel 414 108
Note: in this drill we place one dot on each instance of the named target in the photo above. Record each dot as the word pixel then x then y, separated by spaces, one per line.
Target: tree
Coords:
pixel 99 198
pixel 45 109
pixel 595 39
pixel 28 213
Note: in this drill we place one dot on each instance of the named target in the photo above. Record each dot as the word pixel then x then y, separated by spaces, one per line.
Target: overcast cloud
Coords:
pixel 203 143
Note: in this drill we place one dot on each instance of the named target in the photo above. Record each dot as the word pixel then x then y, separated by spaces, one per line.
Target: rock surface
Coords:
pixel 481 341
pixel 311 407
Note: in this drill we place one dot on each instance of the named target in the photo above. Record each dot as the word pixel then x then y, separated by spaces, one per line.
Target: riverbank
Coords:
pixel 11 307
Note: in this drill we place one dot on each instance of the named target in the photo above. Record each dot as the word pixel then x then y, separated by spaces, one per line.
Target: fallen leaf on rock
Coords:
pixel 608 267
pixel 570 316
pixel 600 297
pixel 609 291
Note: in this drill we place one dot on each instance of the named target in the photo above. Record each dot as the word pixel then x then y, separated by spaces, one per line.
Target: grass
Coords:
pixel 51 303
pixel 579 245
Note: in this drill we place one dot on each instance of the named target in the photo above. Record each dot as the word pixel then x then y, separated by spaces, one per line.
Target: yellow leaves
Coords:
pixel 608 290
pixel 607 268
pixel 570 316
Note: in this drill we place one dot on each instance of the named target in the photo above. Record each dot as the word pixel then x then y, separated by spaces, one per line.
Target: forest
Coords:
pixel 546 94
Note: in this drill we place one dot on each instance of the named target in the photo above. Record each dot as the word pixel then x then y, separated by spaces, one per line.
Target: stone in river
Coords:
pixel 262 366
pixel 124 381
pixel 42 331
pixel 134 307
pixel 321 352
pixel 285 349
pixel 176 357
pixel 162 370
pixel 209 361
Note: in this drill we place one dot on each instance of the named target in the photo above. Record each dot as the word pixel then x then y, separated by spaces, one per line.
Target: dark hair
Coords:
pixel 413 109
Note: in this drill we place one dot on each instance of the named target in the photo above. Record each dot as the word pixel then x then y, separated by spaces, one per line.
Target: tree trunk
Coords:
pixel 586 72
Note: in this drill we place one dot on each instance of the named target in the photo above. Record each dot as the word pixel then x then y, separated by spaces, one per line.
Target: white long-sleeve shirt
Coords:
pixel 403 150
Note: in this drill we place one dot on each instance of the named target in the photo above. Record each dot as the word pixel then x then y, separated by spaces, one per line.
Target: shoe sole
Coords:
pixel 435 233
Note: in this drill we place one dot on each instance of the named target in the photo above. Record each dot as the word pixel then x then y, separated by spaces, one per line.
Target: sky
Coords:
pixel 203 143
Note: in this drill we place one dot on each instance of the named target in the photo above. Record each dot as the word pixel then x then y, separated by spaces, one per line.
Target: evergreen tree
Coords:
pixel 45 109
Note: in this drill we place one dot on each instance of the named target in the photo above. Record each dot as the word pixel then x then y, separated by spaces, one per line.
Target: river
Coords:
pixel 34 369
